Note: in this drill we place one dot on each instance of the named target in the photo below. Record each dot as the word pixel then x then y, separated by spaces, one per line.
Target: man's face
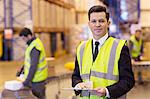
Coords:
pixel 138 34
pixel 26 39
pixel 98 24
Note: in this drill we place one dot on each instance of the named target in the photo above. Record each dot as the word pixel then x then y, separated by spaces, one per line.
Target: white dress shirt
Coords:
pixel 101 41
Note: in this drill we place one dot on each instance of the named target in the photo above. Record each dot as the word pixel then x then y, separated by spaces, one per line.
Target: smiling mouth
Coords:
pixel 97 30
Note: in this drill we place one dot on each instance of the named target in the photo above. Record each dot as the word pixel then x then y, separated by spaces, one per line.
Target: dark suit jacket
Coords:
pixel 126 77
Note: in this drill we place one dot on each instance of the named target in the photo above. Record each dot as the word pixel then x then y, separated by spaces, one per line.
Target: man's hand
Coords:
pixel 132 61
pixel 21 78
pixel 81 86
pixel 20 71
pixel 100 91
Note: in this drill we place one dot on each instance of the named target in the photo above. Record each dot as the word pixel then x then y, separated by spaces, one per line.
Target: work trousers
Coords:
pixel 38 89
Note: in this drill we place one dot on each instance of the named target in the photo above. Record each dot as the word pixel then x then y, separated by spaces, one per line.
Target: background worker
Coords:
pixel 105 61
pixel 136 50
pixel 136 45
pixel 35 65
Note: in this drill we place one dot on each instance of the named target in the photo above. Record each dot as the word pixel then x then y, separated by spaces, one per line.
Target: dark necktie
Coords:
pixel 96 51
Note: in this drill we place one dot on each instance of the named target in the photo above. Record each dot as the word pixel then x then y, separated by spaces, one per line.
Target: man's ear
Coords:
pixel 109 22
pixel 29 36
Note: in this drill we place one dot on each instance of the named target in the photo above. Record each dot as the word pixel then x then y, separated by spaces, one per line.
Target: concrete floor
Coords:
pixel 55 91
pixel 140 92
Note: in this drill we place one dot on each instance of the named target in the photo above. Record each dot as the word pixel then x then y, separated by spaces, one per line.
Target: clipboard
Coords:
pixel 78 89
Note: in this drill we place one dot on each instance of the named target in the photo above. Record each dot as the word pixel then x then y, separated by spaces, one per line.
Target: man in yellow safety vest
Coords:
pixel 136 45
pixel 35 65
pixel 136 50
pixel 103 64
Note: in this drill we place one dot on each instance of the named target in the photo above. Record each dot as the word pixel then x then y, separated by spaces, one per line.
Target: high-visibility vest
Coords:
pixel 136 50
pixel 104 70
pixel 42 69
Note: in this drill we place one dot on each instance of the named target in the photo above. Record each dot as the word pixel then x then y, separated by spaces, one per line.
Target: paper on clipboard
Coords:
pixel 77 89
pixel 89 90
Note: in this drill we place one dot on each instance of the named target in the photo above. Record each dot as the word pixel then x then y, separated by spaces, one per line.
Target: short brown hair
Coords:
pixel 25 32
pixel 98 8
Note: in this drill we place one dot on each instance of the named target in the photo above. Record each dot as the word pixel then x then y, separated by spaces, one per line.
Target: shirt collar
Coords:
pixel 101 40
pixel 30 41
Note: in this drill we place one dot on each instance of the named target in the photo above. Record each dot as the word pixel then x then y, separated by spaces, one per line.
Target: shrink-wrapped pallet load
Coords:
pixel 82 18
pixel 146 55
pixel 42 14
pixel 53 15
pixel 72 19
pixel 58 17
pixel 61 17
pixel 35 13
pixel 48 15
pixel 66 22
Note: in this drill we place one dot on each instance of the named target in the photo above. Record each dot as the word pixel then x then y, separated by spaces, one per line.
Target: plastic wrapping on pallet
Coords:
pixel 13 85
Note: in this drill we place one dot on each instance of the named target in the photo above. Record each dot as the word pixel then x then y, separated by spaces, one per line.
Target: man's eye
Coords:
pixel 93 21
pixel 101 21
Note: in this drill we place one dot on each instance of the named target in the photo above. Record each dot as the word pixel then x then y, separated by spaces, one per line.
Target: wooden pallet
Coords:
pixel 20 94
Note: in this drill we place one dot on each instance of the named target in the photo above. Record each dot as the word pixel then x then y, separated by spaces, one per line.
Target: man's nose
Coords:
pixel 97 23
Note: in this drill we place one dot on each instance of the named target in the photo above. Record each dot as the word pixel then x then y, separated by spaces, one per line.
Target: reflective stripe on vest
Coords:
pixel 40 61
pixel 81 53
pixel 39 69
